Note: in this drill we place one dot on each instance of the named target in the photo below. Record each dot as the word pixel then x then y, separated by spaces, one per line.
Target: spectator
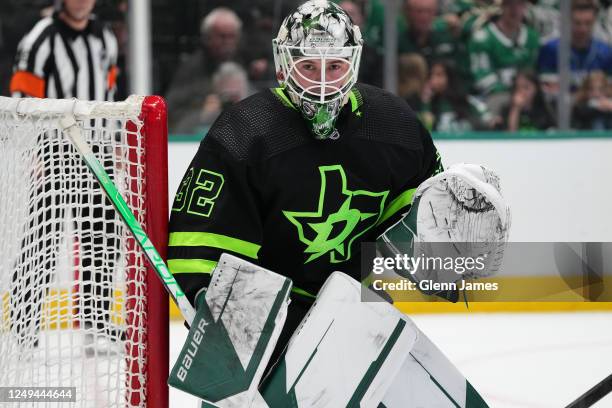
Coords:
pixel 432 37
pixel 370 68
pixel 593 103
pixel 603 28
pixel 587 54
pixel 412 75
pixel 420 30
pixel 447 105
pixel 375 22
pixel 221 32
pixel 462 6
pixel 544 17
pixel 229 85
pixel 471 15
pixel 528 109
pixel 260 20
pixel 500 48
pixel 474 17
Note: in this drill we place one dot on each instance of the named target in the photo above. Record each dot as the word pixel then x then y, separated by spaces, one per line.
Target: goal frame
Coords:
pixel 148 159
pixel 155 130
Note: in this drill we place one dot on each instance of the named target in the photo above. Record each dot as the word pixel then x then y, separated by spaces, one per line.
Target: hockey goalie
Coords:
pixel 267 226
pixel 345 352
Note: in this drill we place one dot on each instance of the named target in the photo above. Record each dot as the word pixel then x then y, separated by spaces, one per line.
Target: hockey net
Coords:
pixel 78 305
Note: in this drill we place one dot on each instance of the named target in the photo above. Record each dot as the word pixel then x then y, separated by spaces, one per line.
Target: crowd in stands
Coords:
pixel 463 65
pixel 494 65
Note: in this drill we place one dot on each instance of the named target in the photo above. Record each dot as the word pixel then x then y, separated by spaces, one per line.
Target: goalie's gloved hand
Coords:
pixel 459 214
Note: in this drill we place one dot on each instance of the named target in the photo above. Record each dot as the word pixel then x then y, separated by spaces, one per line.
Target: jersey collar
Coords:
pixel 507 42
pixel 354 96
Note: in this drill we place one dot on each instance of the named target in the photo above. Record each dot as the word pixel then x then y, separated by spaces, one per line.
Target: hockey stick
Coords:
pixel 603 388
pixel 68 124
pixel 73 130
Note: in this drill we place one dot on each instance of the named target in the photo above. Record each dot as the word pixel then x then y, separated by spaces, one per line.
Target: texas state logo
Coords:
pixel 342 215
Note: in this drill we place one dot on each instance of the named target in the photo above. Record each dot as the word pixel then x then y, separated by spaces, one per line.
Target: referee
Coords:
pixel 67 55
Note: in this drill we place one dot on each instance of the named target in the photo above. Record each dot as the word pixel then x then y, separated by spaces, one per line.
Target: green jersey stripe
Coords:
pixel 191 265
pixel 400 202
pixel 189 239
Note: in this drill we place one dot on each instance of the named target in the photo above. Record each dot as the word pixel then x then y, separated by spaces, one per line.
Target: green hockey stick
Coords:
pixel 71 128
pixel 68 124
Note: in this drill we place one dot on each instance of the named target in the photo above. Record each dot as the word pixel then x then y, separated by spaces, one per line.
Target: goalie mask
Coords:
pixel 316 55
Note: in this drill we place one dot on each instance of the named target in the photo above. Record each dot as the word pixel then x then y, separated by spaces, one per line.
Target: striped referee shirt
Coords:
pixel 55 61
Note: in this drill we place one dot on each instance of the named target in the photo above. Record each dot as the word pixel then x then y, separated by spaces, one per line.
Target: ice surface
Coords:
pixel 515 360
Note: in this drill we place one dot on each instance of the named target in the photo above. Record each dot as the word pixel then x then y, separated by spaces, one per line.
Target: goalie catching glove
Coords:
pixel 456 215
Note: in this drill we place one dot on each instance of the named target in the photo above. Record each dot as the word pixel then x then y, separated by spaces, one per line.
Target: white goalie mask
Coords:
pixel 316 55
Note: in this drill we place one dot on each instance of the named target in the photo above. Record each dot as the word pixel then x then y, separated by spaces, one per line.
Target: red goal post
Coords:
pixel 156 145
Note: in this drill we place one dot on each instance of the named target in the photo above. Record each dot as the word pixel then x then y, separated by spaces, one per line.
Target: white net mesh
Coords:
pixel 72 280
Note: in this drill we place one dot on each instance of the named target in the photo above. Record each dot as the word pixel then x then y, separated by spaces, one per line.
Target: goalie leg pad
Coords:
pixel 344 352
pixel 428 379
pixel 238 321
pixel 348 353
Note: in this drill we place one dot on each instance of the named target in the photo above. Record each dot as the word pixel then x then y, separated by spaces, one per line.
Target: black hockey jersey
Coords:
pixel 262 188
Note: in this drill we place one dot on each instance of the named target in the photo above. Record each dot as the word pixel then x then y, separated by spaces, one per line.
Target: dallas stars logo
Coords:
pixel 342 216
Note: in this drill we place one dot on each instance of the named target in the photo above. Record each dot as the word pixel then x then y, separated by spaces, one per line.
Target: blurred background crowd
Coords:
pixel 462 65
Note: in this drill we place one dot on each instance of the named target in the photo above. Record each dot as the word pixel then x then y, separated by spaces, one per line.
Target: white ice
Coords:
pixel 515 360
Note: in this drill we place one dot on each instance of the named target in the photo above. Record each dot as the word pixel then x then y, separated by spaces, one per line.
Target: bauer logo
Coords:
pixel 192 349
